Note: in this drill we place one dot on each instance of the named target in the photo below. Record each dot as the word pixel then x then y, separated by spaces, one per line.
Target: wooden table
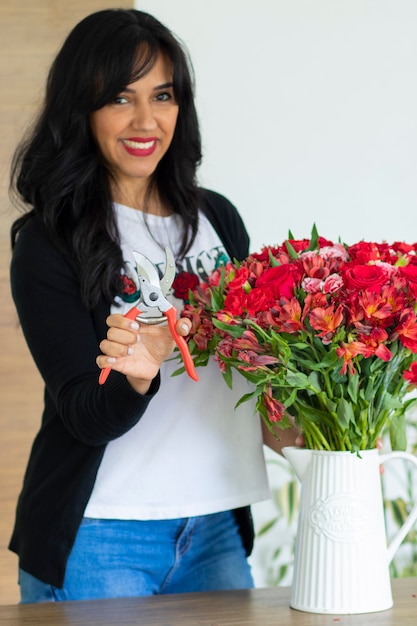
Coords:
pixel 255 607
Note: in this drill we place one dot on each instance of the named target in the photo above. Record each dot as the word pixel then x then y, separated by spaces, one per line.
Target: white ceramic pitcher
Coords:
pixel 341 562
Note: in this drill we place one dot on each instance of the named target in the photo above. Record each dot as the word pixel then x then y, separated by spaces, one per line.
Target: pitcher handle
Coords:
pixel 412 517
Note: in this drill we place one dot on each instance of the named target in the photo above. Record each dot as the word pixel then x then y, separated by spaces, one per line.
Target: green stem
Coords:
pixel 325 375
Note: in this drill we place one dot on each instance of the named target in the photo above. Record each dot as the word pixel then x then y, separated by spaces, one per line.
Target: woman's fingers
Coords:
pixel 135 349
pixel 183 326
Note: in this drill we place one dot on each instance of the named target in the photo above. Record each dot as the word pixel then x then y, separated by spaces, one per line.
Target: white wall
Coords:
pixel 308 111
pixel 308 114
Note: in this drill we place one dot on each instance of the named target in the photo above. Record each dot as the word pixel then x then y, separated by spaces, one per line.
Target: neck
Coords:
pixel 141 201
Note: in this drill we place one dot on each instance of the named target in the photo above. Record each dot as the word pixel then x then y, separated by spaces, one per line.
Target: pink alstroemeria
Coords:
pixel 407 330
pixel 253 361
pixel 411 374
pixel 375 307
pixel 327 321
pixel 274 408
pixel 375 341
pixel 348 351
pixel 290 316
pixel 248 341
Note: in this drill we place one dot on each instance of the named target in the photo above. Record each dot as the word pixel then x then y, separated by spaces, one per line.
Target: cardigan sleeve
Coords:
pixel 63 340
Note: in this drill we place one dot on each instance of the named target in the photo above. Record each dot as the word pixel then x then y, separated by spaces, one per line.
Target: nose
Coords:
pixel 143 117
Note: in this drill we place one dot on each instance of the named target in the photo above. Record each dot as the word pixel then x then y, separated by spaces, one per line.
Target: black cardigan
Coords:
pixel 63 338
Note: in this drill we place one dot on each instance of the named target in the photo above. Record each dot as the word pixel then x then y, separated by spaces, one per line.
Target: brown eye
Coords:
pixel 164 96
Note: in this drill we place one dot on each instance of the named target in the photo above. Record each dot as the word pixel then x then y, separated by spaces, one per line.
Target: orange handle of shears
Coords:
pixel 180 341
pixel 132 315
pixel 171 315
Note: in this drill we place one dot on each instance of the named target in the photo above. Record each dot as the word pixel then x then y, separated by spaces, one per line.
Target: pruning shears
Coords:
pixel 152 306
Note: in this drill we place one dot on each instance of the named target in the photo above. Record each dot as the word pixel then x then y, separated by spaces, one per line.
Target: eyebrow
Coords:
pixel 157 88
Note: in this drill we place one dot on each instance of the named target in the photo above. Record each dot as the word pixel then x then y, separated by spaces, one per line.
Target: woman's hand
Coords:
pixel 288 437
pixel 138 350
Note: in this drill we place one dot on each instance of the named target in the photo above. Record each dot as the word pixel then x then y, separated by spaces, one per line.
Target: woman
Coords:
pixel 141 485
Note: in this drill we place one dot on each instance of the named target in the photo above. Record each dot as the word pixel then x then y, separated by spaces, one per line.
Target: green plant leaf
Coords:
pixel 353 386
pixel 246 397
pixel 297 379
pixel 291 250
pixel 228 377
pixel 232 330
pixel 314 239
pixel 267 526
pixel 345 413
pixel 398 433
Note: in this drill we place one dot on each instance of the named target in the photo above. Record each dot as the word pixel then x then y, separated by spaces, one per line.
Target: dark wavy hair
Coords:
pixel 58 171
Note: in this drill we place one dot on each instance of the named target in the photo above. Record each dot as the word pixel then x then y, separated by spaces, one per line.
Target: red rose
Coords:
pixel 409 272
pixel 403 248
pixel 281 280
pixel 366 251
pixel 298 244
pixel 184 282
pixel 264 255
pixel 369 277
pixel 324 243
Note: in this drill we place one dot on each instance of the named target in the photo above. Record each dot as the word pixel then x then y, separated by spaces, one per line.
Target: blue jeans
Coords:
pixel 117 558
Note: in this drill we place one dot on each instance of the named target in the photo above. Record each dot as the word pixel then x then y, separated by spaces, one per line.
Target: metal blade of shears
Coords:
pixel 146 268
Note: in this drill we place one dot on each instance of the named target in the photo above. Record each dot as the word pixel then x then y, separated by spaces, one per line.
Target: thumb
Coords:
pixel 183 326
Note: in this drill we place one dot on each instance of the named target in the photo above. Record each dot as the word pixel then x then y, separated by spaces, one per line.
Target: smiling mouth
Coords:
pixel 140 148
pixel 139 145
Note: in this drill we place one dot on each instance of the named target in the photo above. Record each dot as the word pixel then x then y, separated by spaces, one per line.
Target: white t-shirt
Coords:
pixel 192 452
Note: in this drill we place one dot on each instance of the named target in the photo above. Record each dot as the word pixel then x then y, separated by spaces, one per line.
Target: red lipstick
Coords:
pixel 140 146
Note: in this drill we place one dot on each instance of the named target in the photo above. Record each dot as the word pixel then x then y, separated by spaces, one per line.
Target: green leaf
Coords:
pixel 291 399
pixel 267 526
pixel 228 377
pixel 246 397
pixel 398 510
pixel 177 372
pixel 297 379
pixel 369 390
pixel 315 381
pixel 314 239
pixel 310 413
pixel 398 433
pixel 329 404
pixel 272 260
pixel 345 413
pixel 331 359
pixel 291 251
pixel 390 402
pixel 234 331
pixel 287 498
pixel 306 364
pixel 353 386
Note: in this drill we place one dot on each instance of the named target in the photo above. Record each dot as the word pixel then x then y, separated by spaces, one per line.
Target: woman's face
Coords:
pixel 134 131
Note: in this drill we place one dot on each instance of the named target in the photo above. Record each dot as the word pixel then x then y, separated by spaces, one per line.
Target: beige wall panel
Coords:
pixel 31 31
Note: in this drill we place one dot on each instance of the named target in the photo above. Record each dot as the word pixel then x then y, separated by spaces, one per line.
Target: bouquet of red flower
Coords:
pixel 326 332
